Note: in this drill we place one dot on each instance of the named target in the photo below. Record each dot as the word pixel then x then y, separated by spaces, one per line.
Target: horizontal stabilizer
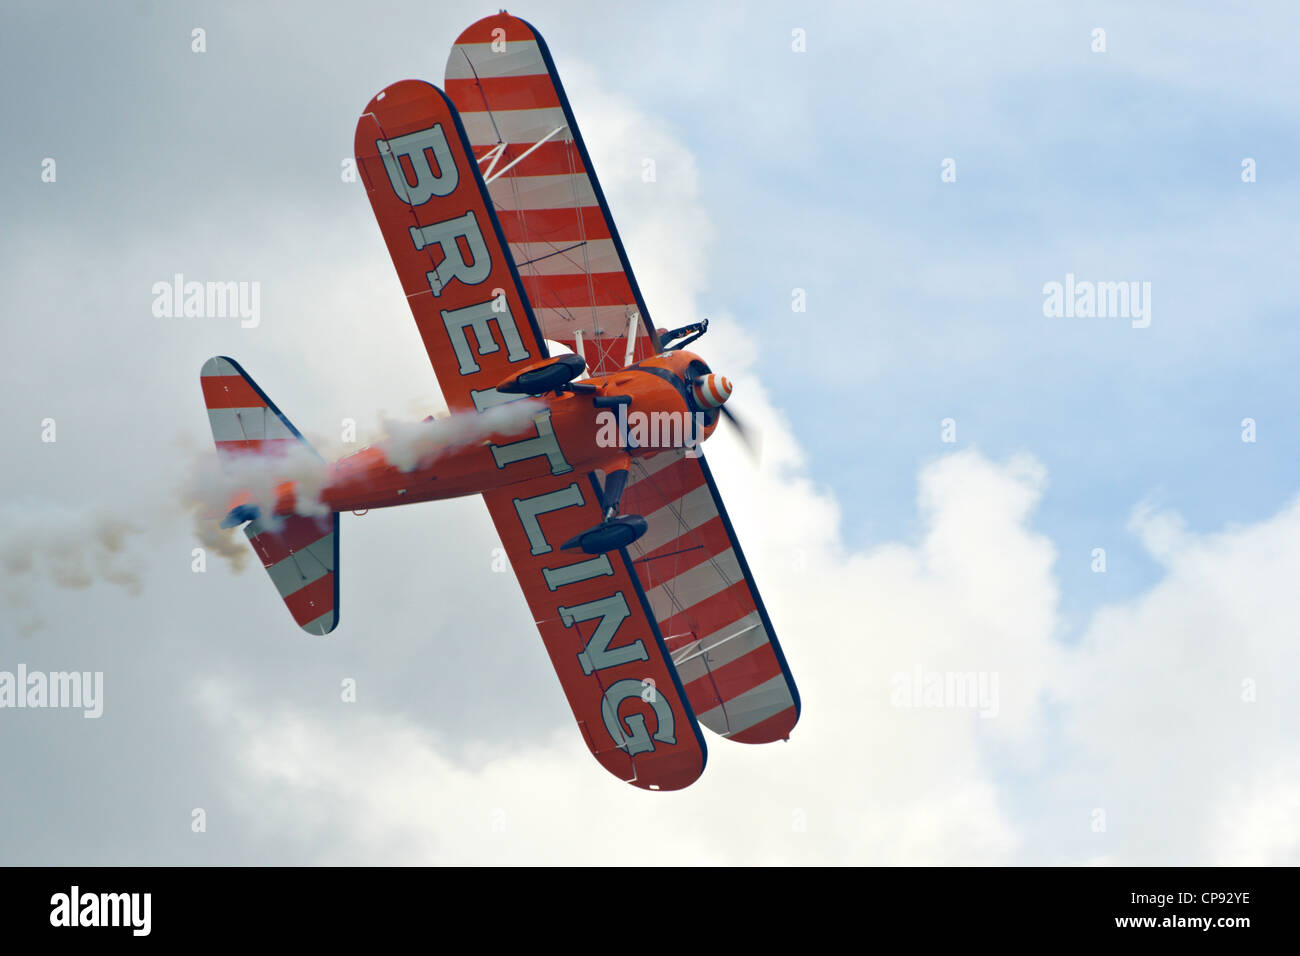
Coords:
pixel 300 552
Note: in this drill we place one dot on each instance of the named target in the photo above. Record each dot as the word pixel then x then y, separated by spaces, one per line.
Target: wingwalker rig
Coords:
pixel 613 523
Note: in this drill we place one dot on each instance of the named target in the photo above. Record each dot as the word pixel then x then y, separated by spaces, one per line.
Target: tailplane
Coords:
pixel 300 552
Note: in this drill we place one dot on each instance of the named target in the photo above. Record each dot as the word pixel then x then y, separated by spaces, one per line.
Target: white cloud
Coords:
pixel 1180 705
pixel 1259 825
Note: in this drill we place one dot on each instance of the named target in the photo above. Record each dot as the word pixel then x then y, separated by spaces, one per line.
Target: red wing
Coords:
pixel 604 644
pixel 709 611
pixel 553 213
pixel 446 244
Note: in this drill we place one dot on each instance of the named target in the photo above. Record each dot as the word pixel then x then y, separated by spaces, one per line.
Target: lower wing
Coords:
pixel 703 596
pixel 600 634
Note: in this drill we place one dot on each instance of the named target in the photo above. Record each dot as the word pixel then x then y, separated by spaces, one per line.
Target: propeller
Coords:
pixel 750 437
pixel 709 392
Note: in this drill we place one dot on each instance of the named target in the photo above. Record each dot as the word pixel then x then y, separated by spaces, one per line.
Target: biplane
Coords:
pixel 503 240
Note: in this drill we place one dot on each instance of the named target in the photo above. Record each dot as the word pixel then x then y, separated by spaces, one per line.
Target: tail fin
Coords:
pixel 299 552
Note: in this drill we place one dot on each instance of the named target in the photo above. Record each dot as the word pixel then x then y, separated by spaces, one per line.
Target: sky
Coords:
pixel 915 175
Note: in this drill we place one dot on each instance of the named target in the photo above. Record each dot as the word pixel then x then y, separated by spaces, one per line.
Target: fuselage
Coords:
pixel 637 412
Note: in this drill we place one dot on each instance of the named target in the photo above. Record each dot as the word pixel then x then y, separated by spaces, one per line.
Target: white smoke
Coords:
pixel 411 445
pixel 68 547
pixel 216 483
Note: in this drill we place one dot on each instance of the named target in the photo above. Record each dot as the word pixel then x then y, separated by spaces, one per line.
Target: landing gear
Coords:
pixel 609 535
pixel 549 375
pixel 615 531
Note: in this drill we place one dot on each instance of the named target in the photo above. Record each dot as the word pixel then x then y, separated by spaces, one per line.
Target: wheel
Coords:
pixel 555 374
pixel 617 532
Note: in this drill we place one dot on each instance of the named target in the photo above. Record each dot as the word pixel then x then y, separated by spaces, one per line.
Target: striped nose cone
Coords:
pixel 711 391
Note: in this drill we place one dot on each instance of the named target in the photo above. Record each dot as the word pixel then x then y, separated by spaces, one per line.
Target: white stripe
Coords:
pixel 752 707
pixel 562 191
pixel 608 320
pixel 237 424
pixel 323 624
pixel 217 366
pixel 566 258
pixel 519 58
pixel 705 395
pixel 721 647
pixel 673 520
pixel 322 549
pixel 517 127
pixel 708 392
pixel 715 387
pixel 645 467
pixel 694 585
pixel 295 572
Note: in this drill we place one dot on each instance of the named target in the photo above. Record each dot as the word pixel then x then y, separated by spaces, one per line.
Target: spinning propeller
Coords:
pixel 709 392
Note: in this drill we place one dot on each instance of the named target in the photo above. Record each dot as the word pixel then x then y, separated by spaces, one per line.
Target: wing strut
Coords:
pixel 631 338
pixel 489 176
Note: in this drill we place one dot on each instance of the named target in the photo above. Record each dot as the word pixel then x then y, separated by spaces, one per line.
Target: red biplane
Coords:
pixel 502 239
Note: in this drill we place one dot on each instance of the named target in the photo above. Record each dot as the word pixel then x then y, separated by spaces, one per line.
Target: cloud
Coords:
pixel 1257 825
pixel 1178 705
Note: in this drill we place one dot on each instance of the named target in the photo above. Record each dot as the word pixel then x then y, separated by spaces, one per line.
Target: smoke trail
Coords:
pixel 227 543
pixel 69 548
pixel 216 483
pixel 411 445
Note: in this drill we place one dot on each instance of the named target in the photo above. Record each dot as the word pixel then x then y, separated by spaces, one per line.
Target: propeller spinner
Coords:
pixel 710 391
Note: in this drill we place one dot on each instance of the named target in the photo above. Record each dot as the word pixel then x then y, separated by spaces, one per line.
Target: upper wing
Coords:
pixel 603 642
pixel 502 79
pixel 702 594
pixel 436 217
